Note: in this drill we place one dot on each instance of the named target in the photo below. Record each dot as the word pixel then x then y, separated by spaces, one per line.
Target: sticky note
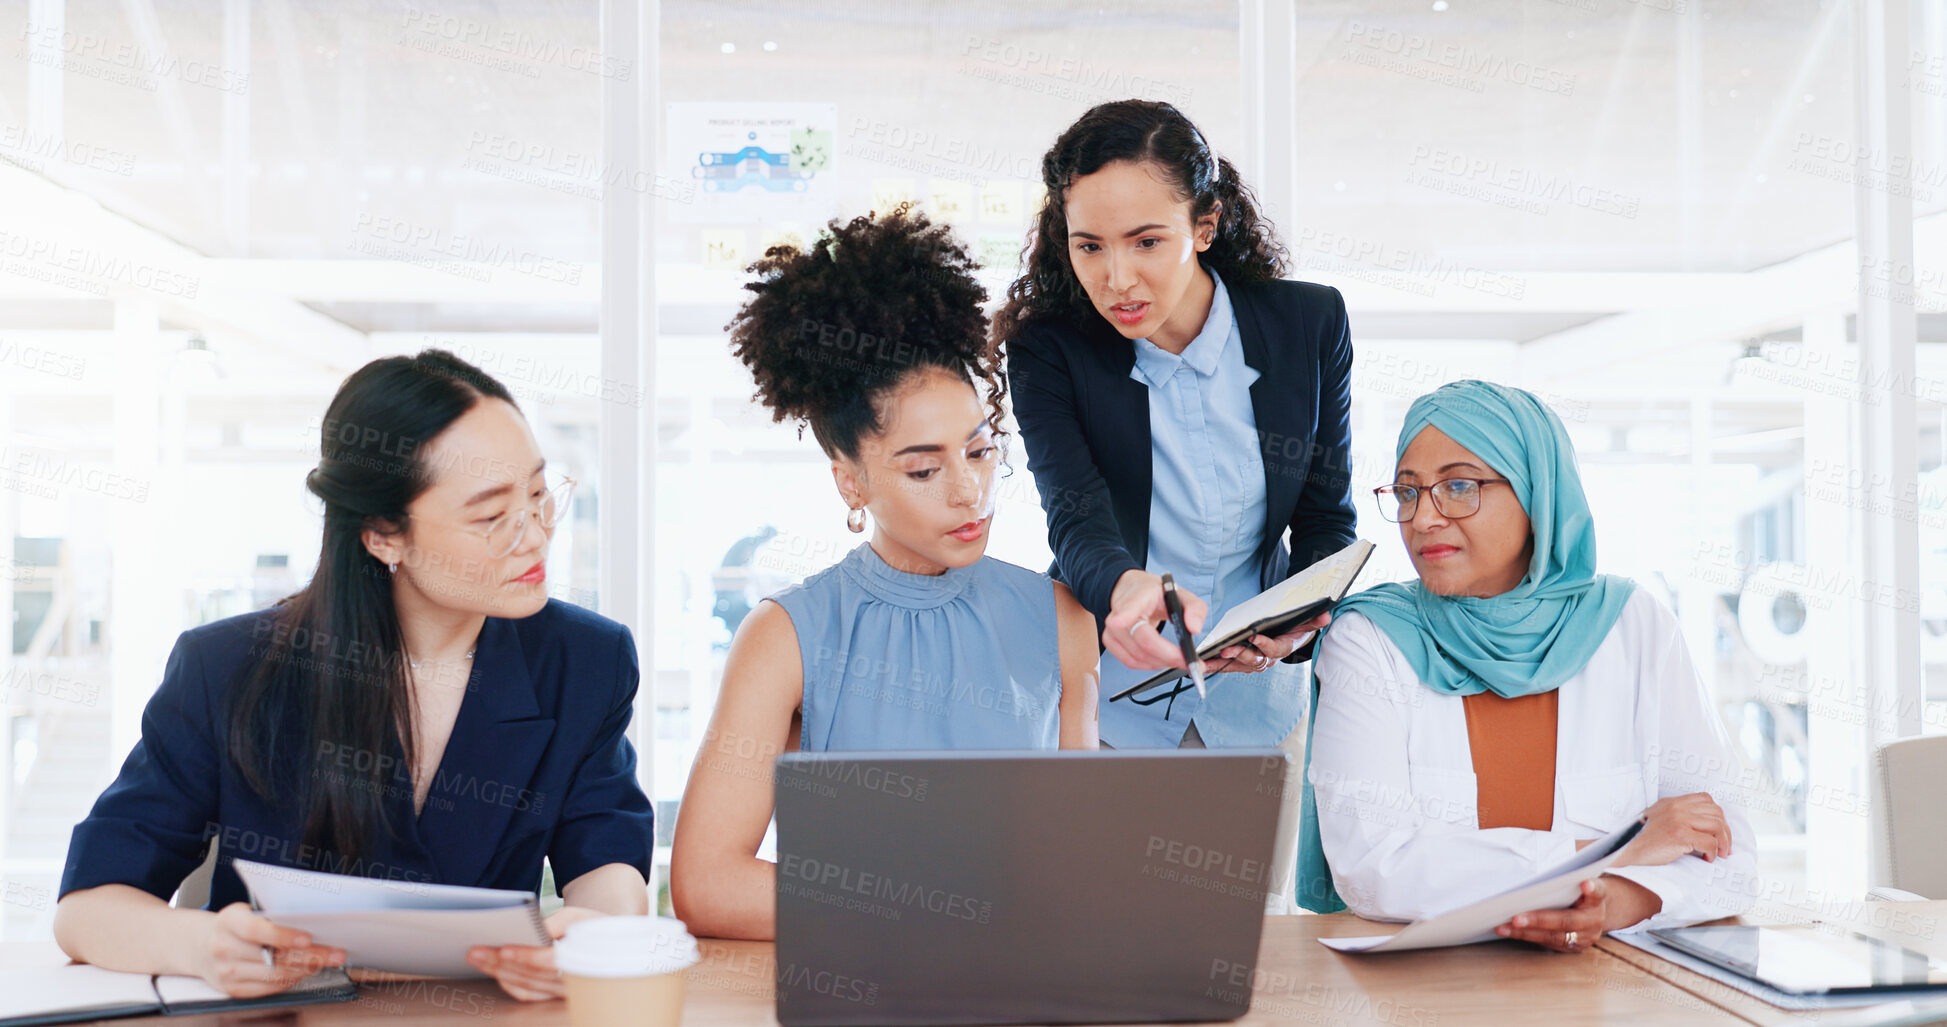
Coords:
pixel 811 149
pixel 780 235
pixel 1000 203
pixel 1000 251
pixel 888 193
pixel 948 201
pixel 723 248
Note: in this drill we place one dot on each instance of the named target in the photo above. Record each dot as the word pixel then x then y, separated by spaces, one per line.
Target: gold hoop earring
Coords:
pixel 855 519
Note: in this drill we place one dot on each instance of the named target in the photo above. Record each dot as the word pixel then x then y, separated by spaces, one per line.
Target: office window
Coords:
pixel 1645 212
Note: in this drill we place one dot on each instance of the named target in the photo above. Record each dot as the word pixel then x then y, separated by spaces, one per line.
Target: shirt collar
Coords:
pixel 1155 365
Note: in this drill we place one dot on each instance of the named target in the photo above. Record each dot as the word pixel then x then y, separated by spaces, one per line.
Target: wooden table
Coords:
pixel 1299 981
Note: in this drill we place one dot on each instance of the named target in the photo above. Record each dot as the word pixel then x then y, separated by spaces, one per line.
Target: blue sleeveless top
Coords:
pixel 969 659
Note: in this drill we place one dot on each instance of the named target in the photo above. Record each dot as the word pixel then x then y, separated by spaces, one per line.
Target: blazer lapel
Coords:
pixel 1272 407
pixel 484 776
pixel 1120 417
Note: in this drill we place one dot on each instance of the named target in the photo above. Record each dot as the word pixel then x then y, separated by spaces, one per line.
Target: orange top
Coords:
pixel 1513 742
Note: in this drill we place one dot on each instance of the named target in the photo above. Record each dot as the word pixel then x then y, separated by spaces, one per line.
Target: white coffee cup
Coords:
pixel 625 970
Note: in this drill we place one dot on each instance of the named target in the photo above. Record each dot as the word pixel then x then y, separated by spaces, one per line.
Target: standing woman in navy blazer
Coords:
pixel 421 711
pixel 1184 410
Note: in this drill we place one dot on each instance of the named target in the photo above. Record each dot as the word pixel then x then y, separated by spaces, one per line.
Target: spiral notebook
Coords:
pixel 405 927
pixel 78 992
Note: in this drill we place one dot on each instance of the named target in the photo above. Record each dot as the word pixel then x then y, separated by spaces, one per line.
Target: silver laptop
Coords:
pixel 1022 887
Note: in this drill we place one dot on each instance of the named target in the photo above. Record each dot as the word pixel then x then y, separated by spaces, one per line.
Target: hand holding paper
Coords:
pixel 397 926
pixel 528 972
pixel 245 955
pixel 1553 890
pixel 1573 929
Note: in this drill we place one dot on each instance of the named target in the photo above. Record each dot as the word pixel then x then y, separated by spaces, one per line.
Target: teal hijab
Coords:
pixel 1525 641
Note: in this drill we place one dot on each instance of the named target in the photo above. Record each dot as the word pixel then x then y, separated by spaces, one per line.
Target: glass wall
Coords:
pixel 212 214
pixel 1644 211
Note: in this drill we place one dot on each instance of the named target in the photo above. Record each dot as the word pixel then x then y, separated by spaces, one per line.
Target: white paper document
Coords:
pixel 1557 888
pixel 404 927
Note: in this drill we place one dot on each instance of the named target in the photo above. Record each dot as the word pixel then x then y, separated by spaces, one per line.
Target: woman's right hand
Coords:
pixel 1135 608
pixel 1677 826
pixel 232 954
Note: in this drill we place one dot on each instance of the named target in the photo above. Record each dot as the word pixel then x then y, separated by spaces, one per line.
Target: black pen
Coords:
pixel 1174 604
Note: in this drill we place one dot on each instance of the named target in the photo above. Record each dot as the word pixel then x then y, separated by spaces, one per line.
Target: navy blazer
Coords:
pixel 1086 425
pixel 539 765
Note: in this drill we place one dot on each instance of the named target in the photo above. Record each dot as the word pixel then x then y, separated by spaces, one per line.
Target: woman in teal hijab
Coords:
pixel 1484 722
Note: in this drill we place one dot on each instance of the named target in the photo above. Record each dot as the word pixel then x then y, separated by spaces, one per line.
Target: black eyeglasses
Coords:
pixel 1452 497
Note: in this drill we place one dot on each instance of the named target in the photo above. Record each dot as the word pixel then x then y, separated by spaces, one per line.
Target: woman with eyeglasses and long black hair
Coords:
pixel 1185 410
pixel 420 711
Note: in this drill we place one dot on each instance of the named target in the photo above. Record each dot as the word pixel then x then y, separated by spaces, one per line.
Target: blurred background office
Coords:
pixel 1710 232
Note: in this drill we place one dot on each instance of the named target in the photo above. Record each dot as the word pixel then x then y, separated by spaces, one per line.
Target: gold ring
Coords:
pixel 1570 939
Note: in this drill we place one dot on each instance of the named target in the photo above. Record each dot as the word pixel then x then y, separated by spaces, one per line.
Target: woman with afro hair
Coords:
pixel 916 639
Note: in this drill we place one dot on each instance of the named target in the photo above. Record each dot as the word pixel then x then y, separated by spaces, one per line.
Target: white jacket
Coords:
pixel 1393 775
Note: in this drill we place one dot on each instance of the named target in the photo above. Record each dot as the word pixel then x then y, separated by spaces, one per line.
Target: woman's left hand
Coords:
pixel 527 971
pixel 1264 650
pixel 1574 929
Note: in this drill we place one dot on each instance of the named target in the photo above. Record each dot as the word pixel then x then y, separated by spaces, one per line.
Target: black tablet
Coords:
pixel 1805 960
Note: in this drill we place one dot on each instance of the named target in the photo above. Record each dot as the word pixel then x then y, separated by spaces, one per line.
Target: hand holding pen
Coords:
pixel 1174 604
pixel 243 954
pixel 1135 609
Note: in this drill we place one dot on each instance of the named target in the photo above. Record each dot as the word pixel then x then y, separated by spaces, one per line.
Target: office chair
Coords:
pixel 194 892
pixel 1909 821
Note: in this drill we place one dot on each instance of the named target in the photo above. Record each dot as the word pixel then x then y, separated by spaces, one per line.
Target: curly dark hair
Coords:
pixel 833 331
pixel 1246 248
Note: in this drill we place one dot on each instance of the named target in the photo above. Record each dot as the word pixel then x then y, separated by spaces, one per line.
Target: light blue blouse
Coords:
pixel 1206 518
pixel 969 659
